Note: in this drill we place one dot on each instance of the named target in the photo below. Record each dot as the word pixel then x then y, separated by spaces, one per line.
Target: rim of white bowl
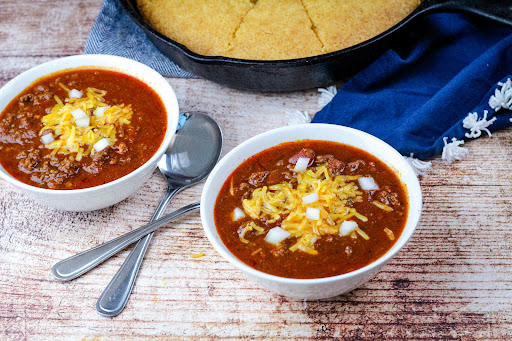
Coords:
pixel 413 217
pixel 108 62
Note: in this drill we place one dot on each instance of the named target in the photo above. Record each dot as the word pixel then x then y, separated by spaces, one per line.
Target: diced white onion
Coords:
pixel 48 138
pixel 238 213
pixel 347 227
pixel 368 184
pixel 83 122
pixel 302 164
pixel 74 93
pixel 100 111
pixel 78 114
pixel 101 144
pixel 313 213
pixel 276 235
pixel 311 198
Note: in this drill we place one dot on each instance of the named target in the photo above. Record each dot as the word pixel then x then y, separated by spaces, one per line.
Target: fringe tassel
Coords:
pixel 502 98
pixel 420 167
pixel 453 151
pixel 476 125
pixel 298 117
pixel 326 95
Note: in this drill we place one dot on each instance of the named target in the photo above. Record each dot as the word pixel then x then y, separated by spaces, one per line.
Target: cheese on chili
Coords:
pixel 71 137
pixel 272 203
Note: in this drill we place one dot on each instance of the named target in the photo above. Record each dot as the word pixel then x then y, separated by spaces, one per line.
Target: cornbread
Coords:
pixel 343 23
pixel 272 29
pixel 204 26
pixel 283 32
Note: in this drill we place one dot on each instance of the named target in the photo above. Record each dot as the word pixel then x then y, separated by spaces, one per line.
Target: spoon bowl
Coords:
pixel 191 156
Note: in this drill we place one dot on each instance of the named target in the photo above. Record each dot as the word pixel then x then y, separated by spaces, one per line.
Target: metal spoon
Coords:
pixel 191 156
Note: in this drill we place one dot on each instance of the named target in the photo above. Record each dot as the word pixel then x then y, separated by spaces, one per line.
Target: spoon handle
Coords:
pixel 115 296
pixel 79 264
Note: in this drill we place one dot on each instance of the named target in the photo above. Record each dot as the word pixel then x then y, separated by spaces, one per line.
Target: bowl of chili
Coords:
pixel 84 132
pixel 311 211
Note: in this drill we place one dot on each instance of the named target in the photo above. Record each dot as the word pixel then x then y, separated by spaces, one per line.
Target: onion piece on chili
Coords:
pixel 238 214
pixel 48 138
pixel 368 183
pixel 347 227
pixel 74 93
pixel 100 111
pixel 276 235
pixel 78 114
pixel 313 213
pixel 83 122
pixel 302 164
pixel 311 198
pixel 101 144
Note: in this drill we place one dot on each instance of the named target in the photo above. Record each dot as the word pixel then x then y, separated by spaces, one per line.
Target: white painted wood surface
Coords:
pixel 452 281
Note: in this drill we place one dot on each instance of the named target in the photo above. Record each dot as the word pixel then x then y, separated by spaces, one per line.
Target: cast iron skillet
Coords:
pixel 305 73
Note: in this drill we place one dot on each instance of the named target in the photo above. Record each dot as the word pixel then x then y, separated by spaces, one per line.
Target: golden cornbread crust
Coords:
pixel 204 26
pixel 343 23
pixel 275 29
pixel 272 29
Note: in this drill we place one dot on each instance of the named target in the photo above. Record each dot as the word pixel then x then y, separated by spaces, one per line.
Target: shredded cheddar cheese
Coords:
pixel 251 226
pixel 382 206
pixel 389 233
pixel 71 138
pixel 279 201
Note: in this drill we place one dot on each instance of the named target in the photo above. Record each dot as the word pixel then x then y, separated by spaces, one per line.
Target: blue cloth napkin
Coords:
pixel 413 98
pixel 114 33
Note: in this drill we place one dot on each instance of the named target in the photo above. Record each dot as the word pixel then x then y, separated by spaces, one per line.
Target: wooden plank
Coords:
pixel 42 28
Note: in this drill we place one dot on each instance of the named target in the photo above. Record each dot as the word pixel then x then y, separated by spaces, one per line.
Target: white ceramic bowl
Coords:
pixel 320 287
pixel 97 197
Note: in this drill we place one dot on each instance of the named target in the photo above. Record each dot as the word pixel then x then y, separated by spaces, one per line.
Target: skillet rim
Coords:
pixel 131 8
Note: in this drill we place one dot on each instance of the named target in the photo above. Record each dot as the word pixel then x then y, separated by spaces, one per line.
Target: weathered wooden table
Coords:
pixel 451 281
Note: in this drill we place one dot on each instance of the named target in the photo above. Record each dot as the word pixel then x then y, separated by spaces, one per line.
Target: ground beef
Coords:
pixel 289 175
pixel 321 159
pixel 257 178
pixel 355 165
pixel 24 123
pixel 41 88
pixel 28 164
pixel 22 154
pixel 305 153
pixel 92 168
pixel 131 133
pixel 107 155
pixel 243 187
pixel 122 148
pixel 335 167
pixel 276 177
pixel 7 120
pixel 69 167
pixel 43 93
pixel 49 175
pixel 387 198
pixel 26 99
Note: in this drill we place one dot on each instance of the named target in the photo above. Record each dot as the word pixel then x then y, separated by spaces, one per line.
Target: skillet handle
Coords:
pixel 497 10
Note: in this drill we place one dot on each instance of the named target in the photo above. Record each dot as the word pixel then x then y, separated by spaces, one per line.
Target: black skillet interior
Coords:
pixel 305 73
